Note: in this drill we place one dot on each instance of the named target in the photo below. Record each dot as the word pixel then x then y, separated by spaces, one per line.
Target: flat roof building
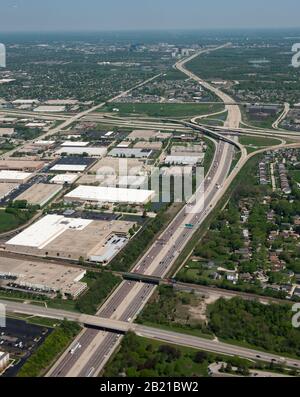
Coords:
pixel 101 195
pixel 68 238
pixel 183 160
pixel 62 179
pixel 15 176
pixel 46 277
pixel 40 194
pixel 21 165
pixel 74 144
pixel 50 109
pixel 90 151
pixel 130 153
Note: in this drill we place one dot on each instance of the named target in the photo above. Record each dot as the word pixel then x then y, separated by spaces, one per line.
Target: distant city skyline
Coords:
pixel 108 15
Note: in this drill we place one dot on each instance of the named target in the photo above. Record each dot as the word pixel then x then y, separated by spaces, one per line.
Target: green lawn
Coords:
pixel 177 110
pixel 258 141
pixel 8 221
pixel 295 174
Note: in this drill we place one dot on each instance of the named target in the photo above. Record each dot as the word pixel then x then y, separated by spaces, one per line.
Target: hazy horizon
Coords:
pixel 146 15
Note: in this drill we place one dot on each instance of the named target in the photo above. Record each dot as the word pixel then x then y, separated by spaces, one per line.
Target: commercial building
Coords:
pixel 40 193
pixel 15 176
pixel 21 165
pixel 115 166
pixel 62 179
pixel 102 195
pixel 183 160
pixel 72 164
pixel 74 144
pixel 130 153
pixel 90 151
pixel 4 361
pixel 69 238
pixel 42 276
pixel 50 109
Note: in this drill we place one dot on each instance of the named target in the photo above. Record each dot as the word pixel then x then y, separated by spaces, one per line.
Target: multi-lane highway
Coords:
pixel 129 299
pixel 95 338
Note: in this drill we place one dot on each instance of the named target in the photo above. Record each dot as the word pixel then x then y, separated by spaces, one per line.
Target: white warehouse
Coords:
pixel 93 194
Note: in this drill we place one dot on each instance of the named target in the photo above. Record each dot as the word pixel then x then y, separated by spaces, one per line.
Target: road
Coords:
pixel 130 298
pixel 283 115
pixel 93 338
pixel 77 117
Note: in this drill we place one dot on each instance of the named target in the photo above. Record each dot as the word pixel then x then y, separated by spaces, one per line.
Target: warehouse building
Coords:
pixel 21 165
pixel 70 238
pixel 101 195
pixel 62 179
pixel 74 144
pixel 90 151
pixel 15 176
pixel 43 277
pixel 40 194
pixel 130 153
pixel 183 160
pixel 72 164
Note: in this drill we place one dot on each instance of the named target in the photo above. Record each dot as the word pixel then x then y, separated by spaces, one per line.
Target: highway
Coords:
pixel 77 117
pixel 92 338
pixel 130 298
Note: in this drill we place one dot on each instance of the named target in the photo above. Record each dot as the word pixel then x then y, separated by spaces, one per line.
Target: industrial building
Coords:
pixel 21 165
pixel 130 153
pixel 40 194
pixel 74 144
pixel 15 176
pixel 72 164
pixel 102 195
pixel 43 277
pixel 183 160
pixel 114 166
pixel 90 151
pixel 70 238
pixel 50 109
pixel 62 179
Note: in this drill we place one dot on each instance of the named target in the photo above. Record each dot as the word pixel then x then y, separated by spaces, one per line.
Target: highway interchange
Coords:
pixel 127 301
pixel 130 298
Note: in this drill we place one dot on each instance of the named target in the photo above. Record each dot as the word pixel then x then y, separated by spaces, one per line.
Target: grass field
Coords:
pixel 176 110
pixel 295 174
pixel 257 141
pixel 8 221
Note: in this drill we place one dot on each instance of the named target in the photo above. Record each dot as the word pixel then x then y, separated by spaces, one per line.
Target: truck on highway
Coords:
pixel 75 348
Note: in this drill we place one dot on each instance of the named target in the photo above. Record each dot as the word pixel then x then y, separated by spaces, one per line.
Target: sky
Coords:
pixel 98 15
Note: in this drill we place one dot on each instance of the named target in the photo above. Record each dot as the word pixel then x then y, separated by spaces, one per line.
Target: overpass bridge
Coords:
pixel 212 134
